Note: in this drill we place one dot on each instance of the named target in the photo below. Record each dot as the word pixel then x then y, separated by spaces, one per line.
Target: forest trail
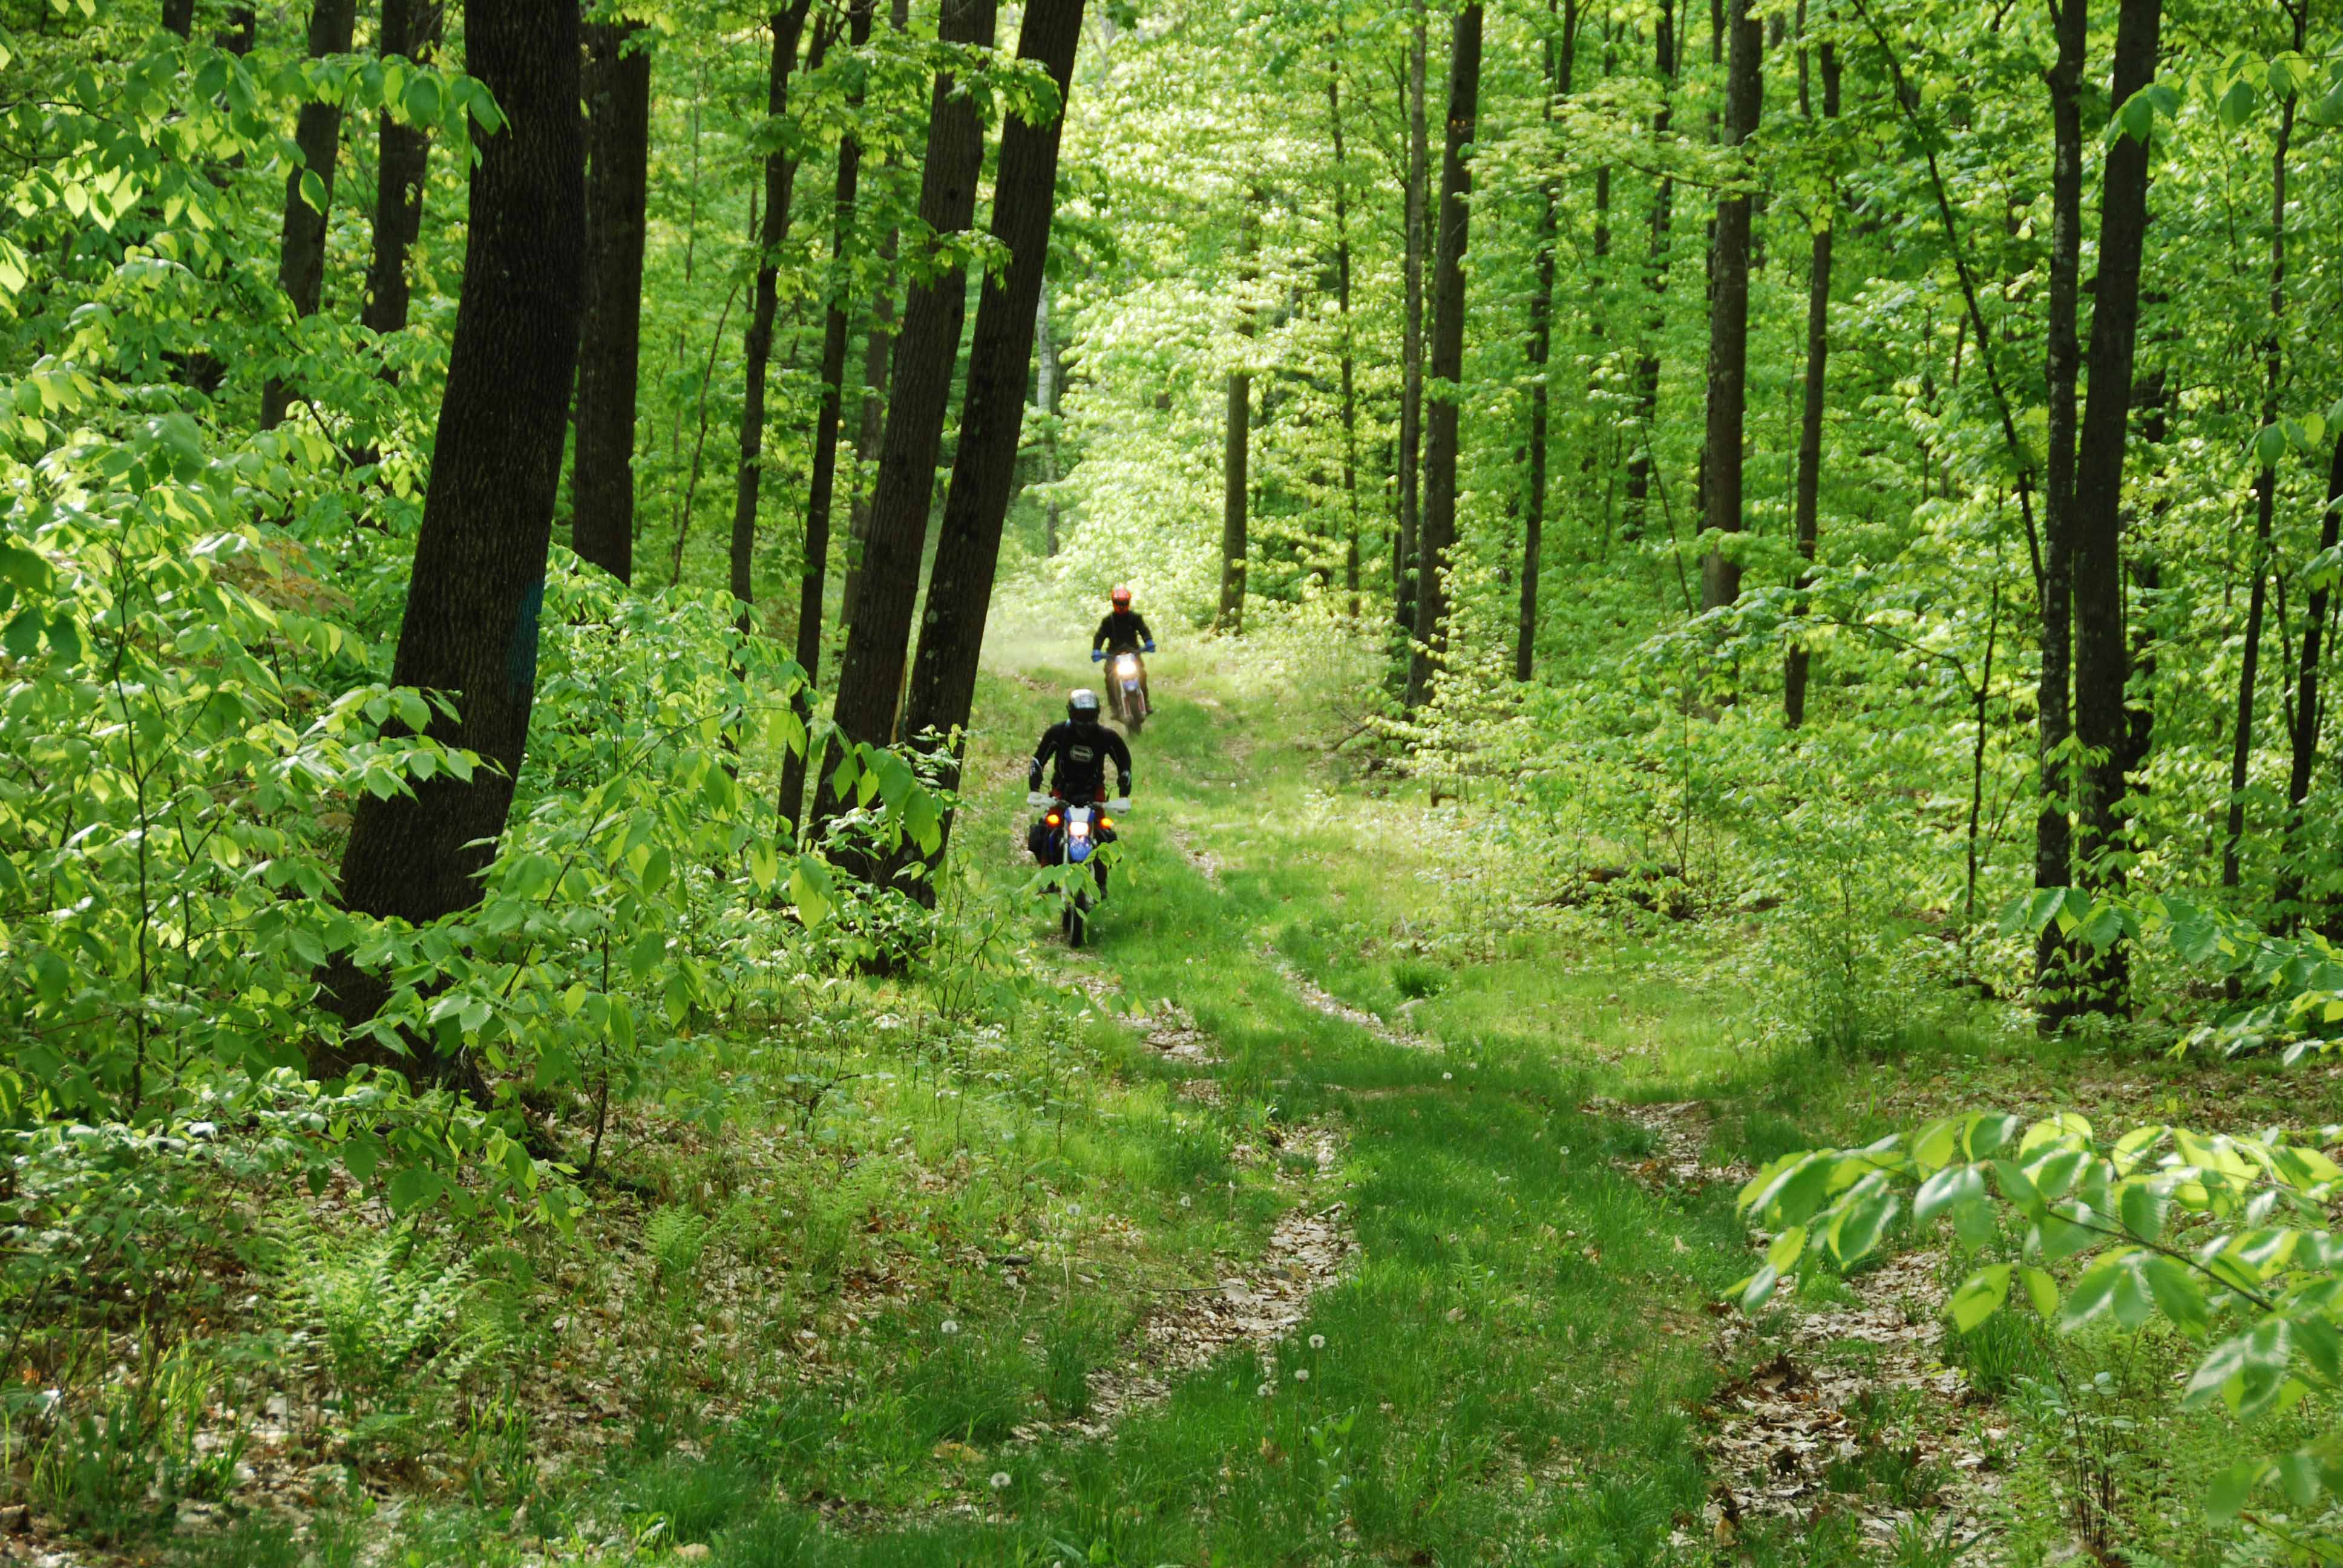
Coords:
pixel 1516 1339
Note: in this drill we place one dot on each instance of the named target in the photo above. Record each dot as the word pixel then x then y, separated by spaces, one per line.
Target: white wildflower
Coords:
pixel 1317 1342
pixel 950 1325
pixel 999 1481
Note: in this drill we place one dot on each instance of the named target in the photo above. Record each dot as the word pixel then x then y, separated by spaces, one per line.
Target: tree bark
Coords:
pixel 2265 500
pixel 870 413
pixel 757 347
pixel 477 584
pixel 243 30
pixel 179 16
pixel 1236 454
pixel 1411 352
pixel 1439 529
pixel 2305 735
pixel 301 254
pixel 1728 322
pixel 402 157
pixel 2102 661
pixel 1558 61
pixel 2054 825
pixel 618 81
pixel 1343 310
pixel 1045 399
pixel 992 409
pixel 1655 275
pixel 1807 504
pixel 813 577
pixel 871 675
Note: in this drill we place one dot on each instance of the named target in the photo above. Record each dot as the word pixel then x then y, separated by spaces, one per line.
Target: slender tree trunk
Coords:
pixel 2053 824
pixel 1655 281
pixel 2102 658
pixel 1807 504
pixel 2304 737
pixel 179 16
pixel 243 30
pixel 871 411
pixel 2265 500
pixel 813 577
pixel 301 255
pixel 757 347
pixel 1342 309
pixel 1411 382
pixel 477 584
pixel 617 171
pixel 1045 399
pixel 1728 327
pixel 1558 60
pixel 1236 453
pixel 992 410
pixel 1439 529
pixel 411 29
pixel 871 675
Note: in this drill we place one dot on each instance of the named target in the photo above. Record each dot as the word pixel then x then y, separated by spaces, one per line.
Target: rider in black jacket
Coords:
pixel 1081 747
pixel 1124 630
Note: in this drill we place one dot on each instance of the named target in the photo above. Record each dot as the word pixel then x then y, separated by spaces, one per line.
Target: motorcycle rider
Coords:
pixel 1124 630
pixel 1081 747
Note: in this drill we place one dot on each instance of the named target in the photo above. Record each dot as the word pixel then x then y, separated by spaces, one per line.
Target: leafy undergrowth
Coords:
pixel 1349 1199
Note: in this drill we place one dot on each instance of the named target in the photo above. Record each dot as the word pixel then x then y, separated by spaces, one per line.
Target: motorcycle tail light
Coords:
pixel 1106 821
pixel 1052 818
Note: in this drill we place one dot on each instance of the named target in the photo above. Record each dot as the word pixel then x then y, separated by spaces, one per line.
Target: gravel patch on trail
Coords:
pixel 1259 1306
pixel 1845 1377
pixel 1319 999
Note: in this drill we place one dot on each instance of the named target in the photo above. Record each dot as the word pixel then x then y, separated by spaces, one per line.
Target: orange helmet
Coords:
pixel 1122 597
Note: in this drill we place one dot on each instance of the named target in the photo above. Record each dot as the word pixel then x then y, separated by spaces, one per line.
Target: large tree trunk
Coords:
pixel 757 347
pixel 1807 504
pixel 179 16
pixel 617 171
pixel 243 31
pixel 2102 657
pixel 870 412
pixel 813 577
pixel 2305 735
pixel 1411 350
pixel 1728 321
pixel 1646 389
pixel 1045 399
pixel 402 157
pixel 301 255
pixel 1439 529
pixel 992 409
pixel 477 584
pixel 1343 310
pixel 1558 61
pixel 871 675
pixel 2265 498
pixel 2054 825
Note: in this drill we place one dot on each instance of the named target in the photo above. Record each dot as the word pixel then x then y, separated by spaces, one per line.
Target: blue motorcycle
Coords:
pixel 1072 835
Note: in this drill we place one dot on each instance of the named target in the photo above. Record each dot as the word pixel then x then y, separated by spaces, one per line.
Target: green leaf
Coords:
pixel 2237 105
pixel 26 569
pixel 2144 1209
pixel 2041 1291
pixel 423 100
pixel 1953 1185
pixel 1980 1296
pixel 2269 445
pixel 313 191
pixel 810 889
pixel 2233 1486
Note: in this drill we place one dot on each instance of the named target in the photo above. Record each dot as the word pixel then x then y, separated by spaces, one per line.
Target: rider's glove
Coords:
pixel 1148 647
pixel 1098 656
pixel 1120 806
pixel 1035 798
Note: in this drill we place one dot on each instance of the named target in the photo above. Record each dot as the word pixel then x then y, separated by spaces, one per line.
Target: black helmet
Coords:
pixel 1082 705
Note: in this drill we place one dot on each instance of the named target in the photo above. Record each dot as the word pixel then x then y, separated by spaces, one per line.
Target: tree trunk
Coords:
pixel 1045 399
pixel 1808 502
pixel 757 347
pixel 301 255
pixel 411 29
pixel 1439 529
pixel 2265 498
pixel 870 415
pixel 2052 823
pixel 1728 322
pixel 2102 658
pixel 477 584
pixel 992 409
pixel 813 577
pixel 1655 275
pixel 1411 351
pixel 179 16
pixel 1541 344
pixel 1236 449
pixel 617 170
pixel 2305 738
pixel 871 675
pixel 243 30
pixel 1342 309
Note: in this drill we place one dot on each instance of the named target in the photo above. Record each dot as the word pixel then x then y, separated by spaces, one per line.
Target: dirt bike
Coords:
pixel 1128 689
pixel 1073 834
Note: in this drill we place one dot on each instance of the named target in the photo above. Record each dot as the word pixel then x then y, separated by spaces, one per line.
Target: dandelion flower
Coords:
pixel 1186 1202
pixel 999 1481
pixel 1446 1076
pixel 1301 1374
pixel 1317 1342
pixel 1265 1390
pixel 950 1325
